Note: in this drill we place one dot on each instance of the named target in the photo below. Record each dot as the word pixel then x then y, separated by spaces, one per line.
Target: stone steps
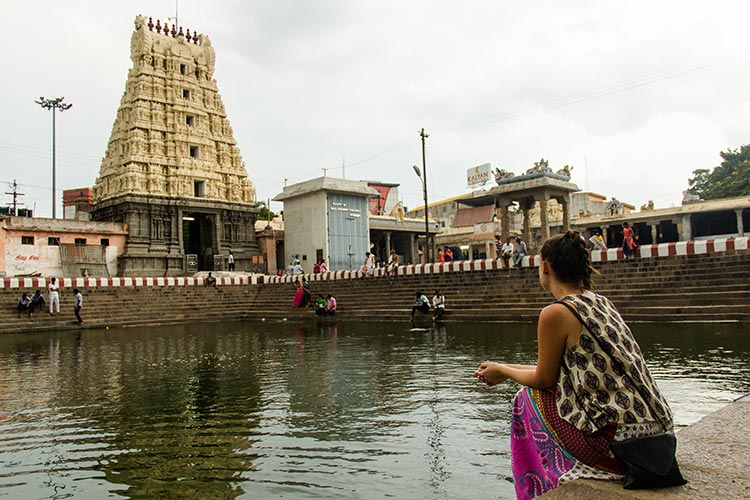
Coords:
pixel 712 287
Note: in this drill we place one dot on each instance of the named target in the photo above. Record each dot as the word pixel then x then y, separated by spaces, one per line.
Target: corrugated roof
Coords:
pixel 473 215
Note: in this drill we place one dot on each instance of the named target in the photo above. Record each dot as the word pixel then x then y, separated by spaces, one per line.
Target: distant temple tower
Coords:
pixel 172 170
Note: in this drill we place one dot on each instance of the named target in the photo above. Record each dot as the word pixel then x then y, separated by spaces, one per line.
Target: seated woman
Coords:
pixel 590 384
pixel 331 305
pixel 320 306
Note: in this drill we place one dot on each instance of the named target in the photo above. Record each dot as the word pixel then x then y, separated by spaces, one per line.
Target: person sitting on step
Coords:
pixel 421 304
pixel 24 304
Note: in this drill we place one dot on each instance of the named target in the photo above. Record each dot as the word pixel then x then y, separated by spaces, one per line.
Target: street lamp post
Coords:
pixel 423 175
pixel 426 217
pixel 54 105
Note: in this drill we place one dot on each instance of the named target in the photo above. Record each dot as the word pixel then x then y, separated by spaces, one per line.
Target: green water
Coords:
pixel 280 410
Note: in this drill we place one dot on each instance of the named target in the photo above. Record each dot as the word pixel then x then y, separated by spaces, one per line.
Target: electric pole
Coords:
pixel 424 182
pixel 15 194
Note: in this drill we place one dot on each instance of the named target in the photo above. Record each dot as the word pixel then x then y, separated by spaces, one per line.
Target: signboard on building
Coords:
pixel 478 176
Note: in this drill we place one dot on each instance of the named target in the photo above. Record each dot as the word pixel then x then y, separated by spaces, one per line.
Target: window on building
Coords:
pixel 185 94
pixel 81 242
pixel 105 242
pixel 27 240
pixel 53 241
pixel 199 189
pixel 183 69
pixel 198 73
pixel 194 152
pixel 190 120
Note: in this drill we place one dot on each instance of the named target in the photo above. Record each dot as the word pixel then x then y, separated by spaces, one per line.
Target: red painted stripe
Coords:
pixel 730 244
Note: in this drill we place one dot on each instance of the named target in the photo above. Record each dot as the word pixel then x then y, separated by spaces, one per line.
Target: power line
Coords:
pixel 595 93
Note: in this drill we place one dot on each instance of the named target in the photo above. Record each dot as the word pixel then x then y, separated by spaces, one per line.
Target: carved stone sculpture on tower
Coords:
pixel 162 151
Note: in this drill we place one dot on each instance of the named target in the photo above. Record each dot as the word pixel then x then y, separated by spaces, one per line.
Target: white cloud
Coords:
pixel 643 91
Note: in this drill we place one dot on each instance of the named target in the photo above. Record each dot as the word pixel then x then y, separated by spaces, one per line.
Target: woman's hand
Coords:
pixel 490 373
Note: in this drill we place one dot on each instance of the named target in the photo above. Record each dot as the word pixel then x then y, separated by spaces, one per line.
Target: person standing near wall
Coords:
pixel 77 304
pixel 54 296
pixel 628 240
pixel 230 261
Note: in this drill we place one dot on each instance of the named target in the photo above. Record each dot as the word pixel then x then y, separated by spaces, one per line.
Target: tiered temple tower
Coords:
pixel 172 170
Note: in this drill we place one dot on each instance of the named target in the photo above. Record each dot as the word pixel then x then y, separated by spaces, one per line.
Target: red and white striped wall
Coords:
pixel 612 254
pixel 41 283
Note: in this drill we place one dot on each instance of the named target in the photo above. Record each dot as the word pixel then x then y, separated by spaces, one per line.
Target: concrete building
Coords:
pixel 172 170
pixel 326 218
pixel 59 247
pixel 728 217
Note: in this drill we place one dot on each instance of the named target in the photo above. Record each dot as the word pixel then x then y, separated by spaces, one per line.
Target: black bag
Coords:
pixel 650 461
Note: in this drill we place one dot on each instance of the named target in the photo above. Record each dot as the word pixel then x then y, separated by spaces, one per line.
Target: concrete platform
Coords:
pixel 714 456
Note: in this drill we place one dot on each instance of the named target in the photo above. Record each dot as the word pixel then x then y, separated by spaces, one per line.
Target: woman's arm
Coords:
pixel 555 325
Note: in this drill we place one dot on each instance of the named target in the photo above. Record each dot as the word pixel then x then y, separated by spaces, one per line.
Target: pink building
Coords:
pixel 59 247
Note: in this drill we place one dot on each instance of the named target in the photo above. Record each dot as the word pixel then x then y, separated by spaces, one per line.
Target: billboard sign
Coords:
pixel 478 176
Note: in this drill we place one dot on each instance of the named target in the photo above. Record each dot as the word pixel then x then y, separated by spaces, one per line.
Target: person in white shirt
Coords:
pixel 506 251
pixel 78 304
pixel 369 266
pixel 422 304
pixel 438 305
pixel 230 261
pixel 54 296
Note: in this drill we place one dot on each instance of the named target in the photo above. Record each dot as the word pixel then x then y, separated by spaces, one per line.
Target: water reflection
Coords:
pixel 323 409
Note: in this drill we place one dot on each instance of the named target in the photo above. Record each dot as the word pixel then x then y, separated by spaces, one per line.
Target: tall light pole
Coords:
pixel 423 176
pixel 54 105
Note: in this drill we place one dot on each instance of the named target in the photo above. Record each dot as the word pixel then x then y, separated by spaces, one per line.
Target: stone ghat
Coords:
pixel 712 454
pixel 688 282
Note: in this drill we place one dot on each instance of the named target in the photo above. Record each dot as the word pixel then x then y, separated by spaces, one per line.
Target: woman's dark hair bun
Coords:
pixel 569 258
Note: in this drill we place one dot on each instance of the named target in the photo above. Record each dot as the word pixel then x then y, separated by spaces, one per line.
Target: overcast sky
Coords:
pixel 634 94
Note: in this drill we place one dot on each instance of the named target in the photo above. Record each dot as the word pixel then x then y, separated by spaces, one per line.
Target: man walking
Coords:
pixel 77 305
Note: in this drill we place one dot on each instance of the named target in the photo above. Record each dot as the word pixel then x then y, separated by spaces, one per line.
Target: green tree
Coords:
pixel 263 212
pixel 731 178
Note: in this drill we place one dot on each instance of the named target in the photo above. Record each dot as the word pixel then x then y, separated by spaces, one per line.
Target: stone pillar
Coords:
pixel 527 226
pixel 543 219
pixel 686 231
pixel 387 245
pixel 216 247
pixel 565 202
pixel 413 249
pixel 655 232
pixel 740 223
pixel 504 223
pixel 267 246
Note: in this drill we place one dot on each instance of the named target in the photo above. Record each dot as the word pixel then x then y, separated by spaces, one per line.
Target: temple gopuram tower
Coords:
pixel 172 170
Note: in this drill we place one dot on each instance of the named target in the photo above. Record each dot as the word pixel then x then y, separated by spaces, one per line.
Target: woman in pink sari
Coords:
pixel 298 295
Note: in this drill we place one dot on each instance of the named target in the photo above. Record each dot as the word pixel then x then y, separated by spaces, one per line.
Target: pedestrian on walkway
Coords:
pixel 230 261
